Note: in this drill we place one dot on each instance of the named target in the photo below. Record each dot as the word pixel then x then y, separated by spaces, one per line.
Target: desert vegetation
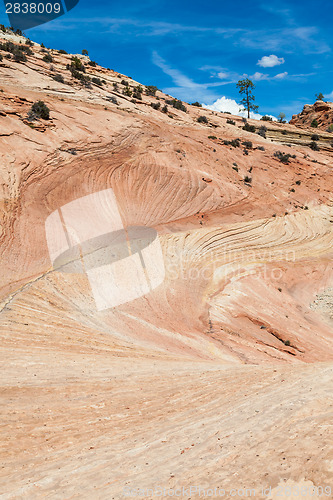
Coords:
pixel 245 88
pixel 39 110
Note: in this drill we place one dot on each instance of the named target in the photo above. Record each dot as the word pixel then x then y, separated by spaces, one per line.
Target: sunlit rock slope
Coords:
pixel 233 342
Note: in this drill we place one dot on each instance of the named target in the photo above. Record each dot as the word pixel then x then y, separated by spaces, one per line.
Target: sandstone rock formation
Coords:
pixel 320 111
pixel 220 375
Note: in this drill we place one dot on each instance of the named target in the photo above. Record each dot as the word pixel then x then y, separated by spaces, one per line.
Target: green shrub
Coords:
pixel 247 144
pixel 231 122
pixel 92 63
pixel 39 110
pixel 235 143
pixel 314 123
pixel 78 75
pixel 19 57
pixel 97 81
pixel 315 137
pixel 177 104
pixel 151 90
pixel 283 157
pixel 123 82
pixel 165 109
pixel 85 52
pixel 58 78
pixel 62 51
pixel 262 131
pixel 330 128
pixel 19 51
pixel 247 179
pixel 48 58
pixel 314 146
pixel 197 104
pixel 127 91
pixel 249 128
pixel 266 118
pixel 77 65
pixel 202 119
pixel 212 137
pixel 23 48
pixel 155 105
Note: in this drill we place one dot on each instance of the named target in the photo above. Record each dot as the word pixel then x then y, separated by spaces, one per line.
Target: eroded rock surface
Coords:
pixel 221 375
pixel 320 112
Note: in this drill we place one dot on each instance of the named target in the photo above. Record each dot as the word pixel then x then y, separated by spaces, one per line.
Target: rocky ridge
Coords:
pixel 318 115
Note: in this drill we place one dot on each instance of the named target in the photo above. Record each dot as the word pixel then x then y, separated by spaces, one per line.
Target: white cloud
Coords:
pixel 280 76
pixel 329 96
pixel 185 86
pixel 177 77
pixel 270 61
pixel 285 13
pixel 222 75
pixel 224 104
pixel 305 38
pixel 259 76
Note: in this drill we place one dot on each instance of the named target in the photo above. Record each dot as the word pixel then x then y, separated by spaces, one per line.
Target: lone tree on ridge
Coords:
pixel 245 87
pixel 281 118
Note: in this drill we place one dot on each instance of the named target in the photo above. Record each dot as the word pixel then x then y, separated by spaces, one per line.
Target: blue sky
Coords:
pixel 197 50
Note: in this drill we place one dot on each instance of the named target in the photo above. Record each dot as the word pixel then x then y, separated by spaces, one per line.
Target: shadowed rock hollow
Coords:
pixel 234 344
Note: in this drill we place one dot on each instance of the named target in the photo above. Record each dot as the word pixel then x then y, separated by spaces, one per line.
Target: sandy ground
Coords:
pixel 89 427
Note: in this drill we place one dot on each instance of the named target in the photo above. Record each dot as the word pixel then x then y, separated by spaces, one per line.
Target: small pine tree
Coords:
pixel 281 117
pixel 245 87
